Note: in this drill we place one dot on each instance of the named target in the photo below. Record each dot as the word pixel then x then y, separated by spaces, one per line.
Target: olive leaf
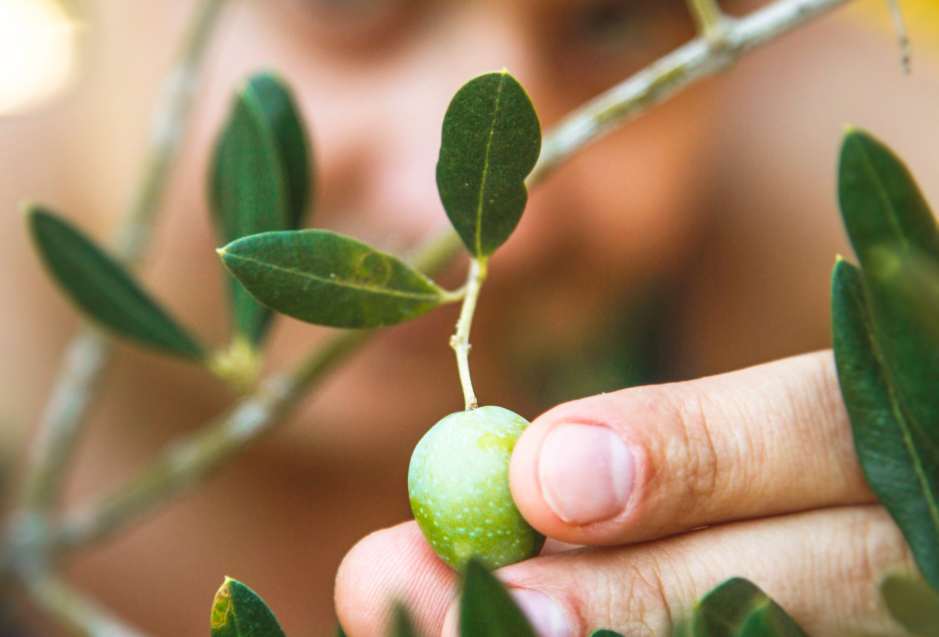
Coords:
pixel 912 603
pixel 487 609
pixel 490 143
pixel 603 632
pixel 899 459
pixel 886 341
pixel 239 612
pixel 738 608
pixel 326 278
pixel 102 288
pixel 340 631
pixel 260 179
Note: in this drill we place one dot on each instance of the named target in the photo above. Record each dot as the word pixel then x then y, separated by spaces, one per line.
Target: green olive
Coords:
pixel 458 483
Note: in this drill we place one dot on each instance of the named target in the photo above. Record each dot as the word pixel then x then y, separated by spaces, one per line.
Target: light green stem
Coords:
pixel 460 340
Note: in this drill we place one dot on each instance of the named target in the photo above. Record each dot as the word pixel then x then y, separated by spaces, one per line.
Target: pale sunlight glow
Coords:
pixel 38 42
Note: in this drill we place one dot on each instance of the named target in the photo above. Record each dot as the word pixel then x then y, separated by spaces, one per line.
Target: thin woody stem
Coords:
pixel 899 27
pixel 189 460
pixel 670 75
pixel 73 610
pixel 460 340
pixel 89 353
pixel 708 17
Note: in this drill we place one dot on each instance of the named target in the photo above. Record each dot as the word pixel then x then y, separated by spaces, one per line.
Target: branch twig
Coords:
pixel 89 353
pixel 191 458
pixel 669 75
pixel 899 27
pixel 709 19
pixel 73 610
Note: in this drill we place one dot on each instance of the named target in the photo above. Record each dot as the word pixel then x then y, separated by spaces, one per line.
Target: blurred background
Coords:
pixel 697 240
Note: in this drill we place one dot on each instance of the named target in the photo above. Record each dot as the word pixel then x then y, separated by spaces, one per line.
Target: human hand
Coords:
pixel 763 458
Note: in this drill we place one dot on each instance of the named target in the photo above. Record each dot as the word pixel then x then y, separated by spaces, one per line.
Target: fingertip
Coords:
pixel 392 566
pixel 572 469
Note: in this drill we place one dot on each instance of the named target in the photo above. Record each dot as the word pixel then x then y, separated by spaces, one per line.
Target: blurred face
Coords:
pixel 375 78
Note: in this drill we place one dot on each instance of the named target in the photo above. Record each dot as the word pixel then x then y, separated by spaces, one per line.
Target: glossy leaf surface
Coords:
pixel 239 612
pixel 912 603
pixel 900 461
pixel 326 278
pixel 605 633
pixel 490 143
pixel 886 340
pixel 487 609
pixel 738 608
pixel 260 180
pixel 103 289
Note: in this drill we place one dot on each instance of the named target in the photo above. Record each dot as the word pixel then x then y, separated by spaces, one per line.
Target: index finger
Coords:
pixel 650 462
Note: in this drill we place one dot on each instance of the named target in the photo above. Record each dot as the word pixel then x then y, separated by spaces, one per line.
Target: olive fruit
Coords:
pixel 458 483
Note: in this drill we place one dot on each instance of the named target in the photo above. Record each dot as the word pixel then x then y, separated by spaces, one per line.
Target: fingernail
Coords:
pixel 545 615
pixel 586 473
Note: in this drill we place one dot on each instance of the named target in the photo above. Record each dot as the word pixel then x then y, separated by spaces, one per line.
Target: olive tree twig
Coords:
pixel 709 19
pixel 185 462
pixel 83 616
pixel 899 27
pixel 89 353
pixel 662 79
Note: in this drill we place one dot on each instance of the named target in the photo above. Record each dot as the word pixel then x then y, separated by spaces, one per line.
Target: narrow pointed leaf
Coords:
pixel 880 201
pixel 340 631
pixel 605 633
pixel 899 458
pixel 103 289
pixel 490 143
pixel 260 181
pixel 738 608
pixel 487 609
pixel 912 603
pixel 238 612
pixel 326 278
pixel 281 115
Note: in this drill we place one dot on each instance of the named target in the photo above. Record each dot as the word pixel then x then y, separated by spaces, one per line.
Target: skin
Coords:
pixel 701 198
pixel 761 457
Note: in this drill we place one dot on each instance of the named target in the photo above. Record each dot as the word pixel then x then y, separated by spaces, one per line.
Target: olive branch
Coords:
pixel 38 536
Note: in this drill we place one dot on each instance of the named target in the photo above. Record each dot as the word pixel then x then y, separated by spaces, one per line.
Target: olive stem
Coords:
pixel 709 19
pixel 899 26
pixel 460 341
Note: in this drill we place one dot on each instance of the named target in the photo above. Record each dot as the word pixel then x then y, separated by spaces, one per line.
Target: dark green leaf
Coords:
pixel 326 278
pixel 604 633
pixel 899 458
pixel 487 609
pixel 738 608
pixel 261 178
pixel 912 603
pixel 340 632
pixel 880 201
pixel 238 612
pixel 401 623
pixel 278 109
pixel 491 141
pixel 102 288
